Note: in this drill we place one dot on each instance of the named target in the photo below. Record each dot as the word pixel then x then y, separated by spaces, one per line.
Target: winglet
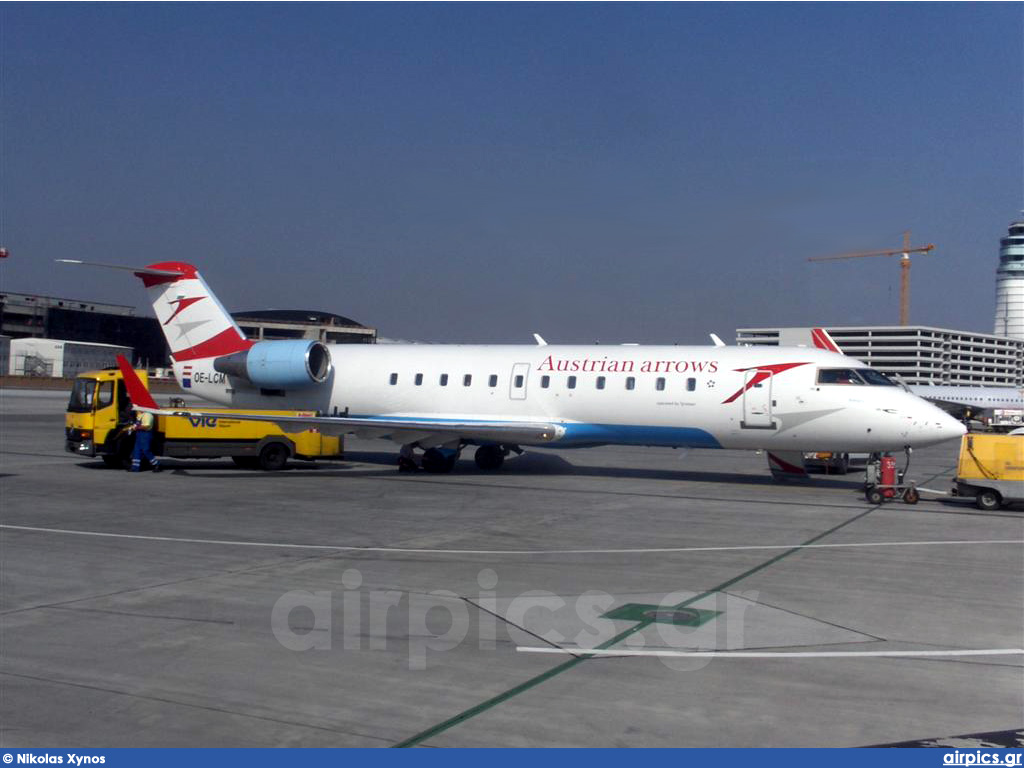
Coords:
pixel 823 341
pixel 717 341
pixel 137 391
pixel 540 341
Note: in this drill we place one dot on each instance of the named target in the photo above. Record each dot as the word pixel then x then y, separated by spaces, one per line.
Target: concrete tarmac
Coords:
pixel 345 604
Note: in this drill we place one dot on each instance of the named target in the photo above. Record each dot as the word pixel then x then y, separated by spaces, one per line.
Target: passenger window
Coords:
pixel 630 382
pixel 444 380
pixel 600 382
pixel 419 379
pixel 691 384
pixel 467 379
pixel 571 382
pixel 105 395
pixel 492 381
pixel 660 384
pixel 545 382
pixel 518 382
pixel 394 379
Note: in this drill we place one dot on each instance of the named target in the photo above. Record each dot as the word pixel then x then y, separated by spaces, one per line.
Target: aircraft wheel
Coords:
pixel 873 495
pixel 489 457
pixel 273 457
pixel 436 460
pixel 988 500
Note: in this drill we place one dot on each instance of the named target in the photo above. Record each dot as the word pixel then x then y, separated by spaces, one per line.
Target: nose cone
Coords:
pixel 949 427
pixel 936 426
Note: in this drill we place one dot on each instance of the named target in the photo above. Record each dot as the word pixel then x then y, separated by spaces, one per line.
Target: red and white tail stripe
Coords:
pixel 194 323
pixel 823 341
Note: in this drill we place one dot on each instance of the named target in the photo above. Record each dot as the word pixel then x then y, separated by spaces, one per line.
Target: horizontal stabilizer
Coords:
pixel 136 270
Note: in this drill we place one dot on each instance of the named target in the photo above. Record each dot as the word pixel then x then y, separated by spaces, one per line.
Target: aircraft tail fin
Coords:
pixel 193 321
pixel 137 391
pixel 822 340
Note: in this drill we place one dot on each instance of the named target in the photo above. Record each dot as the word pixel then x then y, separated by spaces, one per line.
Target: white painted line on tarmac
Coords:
pixel 656 652
pixel 410 550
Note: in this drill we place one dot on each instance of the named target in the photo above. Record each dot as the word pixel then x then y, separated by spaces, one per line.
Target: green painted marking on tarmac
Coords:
pixel 660 614
pixel 565 666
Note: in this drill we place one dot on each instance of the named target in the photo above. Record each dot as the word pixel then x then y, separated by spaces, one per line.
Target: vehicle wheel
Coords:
pixel 246 462
pixel 911 496
pixel 873 495
pixel 988 500
pixel 489 457
pixel 121 457
pixel 273 456
pixel 435 460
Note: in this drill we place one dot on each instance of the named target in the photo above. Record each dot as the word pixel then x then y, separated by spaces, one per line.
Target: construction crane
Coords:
pixel 904 254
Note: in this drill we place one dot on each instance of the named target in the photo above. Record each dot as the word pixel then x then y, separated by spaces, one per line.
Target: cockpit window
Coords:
pixel 82 395
pixel 874 378
pixel 839 376
pixel 855 376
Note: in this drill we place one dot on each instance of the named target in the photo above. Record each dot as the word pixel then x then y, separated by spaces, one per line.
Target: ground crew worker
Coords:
pixel 407 459
pixel 142 426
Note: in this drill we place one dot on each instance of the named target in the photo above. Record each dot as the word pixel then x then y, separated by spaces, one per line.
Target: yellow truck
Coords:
pixel 99 413
pixel 991 469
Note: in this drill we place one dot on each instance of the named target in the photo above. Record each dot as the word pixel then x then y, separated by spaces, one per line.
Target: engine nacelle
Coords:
pixel 283 364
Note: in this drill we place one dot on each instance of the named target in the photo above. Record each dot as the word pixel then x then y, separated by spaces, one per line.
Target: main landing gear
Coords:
pixel 441 459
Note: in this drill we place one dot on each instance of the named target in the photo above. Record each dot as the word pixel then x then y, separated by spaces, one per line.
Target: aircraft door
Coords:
pixel 517 382
pixel 757 401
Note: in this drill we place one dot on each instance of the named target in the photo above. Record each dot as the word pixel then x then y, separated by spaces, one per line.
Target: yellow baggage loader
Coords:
pixel 98 415
pixel 991 469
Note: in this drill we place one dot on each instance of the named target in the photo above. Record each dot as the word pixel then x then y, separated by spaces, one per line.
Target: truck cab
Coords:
pixel 98 413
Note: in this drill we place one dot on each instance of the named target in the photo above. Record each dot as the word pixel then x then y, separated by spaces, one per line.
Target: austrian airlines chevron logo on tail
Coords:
pixel 182 303
pixel 763 372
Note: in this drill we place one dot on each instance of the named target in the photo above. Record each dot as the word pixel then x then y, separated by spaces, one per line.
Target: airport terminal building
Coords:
pixel 917 354
pixel 26 315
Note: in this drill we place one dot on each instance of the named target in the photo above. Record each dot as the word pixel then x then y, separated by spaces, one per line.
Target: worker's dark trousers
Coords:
pixel 141 450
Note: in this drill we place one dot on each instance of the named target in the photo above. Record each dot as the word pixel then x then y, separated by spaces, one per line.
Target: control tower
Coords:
pixel 1010 284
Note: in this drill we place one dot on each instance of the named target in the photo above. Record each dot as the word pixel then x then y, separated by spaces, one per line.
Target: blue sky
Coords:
pixel 477 172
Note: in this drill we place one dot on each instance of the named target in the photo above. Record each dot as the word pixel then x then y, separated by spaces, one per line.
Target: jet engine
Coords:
pixel 284 364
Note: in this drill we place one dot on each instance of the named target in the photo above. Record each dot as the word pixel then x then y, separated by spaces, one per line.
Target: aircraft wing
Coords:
pixel 426 431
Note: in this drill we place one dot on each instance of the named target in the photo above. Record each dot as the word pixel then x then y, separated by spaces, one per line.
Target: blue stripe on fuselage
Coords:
pixel 585 435
pixel 582 435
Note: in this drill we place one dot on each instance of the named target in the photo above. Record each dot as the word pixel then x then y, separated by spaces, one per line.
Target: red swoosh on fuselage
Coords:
pixel 763 372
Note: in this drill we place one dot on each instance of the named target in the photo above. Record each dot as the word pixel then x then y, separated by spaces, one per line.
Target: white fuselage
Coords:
pixel 713 397
pixel 973 397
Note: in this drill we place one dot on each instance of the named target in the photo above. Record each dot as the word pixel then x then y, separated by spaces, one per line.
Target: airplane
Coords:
pixel 962 402
pixel 968 401
pixel 441 399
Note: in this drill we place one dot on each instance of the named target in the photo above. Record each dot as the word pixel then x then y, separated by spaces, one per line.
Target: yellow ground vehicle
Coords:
pixel 99 412
pixel 991 469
